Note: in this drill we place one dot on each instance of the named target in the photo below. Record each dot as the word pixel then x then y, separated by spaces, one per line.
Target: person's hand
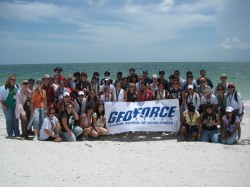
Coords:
pixel 4 107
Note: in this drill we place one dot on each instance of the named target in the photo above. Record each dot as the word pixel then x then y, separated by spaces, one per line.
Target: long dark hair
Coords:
pixel 233 118
pixel 95 98
pixel 99 114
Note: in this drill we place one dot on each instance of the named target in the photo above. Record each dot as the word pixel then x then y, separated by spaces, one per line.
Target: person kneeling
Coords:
pixel 231 124
pixel 209 122
pixel 51 128
pixel 190 122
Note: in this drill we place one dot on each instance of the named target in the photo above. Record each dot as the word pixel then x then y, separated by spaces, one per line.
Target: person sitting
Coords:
pixel 51 128
pixel 69 130
pixel 209 122
pixel 86 124
pixel 190 122
pixel 231 124
pixel 106 96
pixel 99 121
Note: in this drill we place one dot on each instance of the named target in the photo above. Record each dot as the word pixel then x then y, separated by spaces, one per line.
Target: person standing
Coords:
pixel 23 107
pixel 8 102
pixel 38 107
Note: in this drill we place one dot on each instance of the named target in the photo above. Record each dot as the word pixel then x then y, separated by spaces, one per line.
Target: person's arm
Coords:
pixel 32 103
pixel 125 95
pixel 199 123
pixel 46 131
pixel 217 121
pixel 183 100
pixel 64 123
pixel 94 119
pixel 76 116
pixel 224 132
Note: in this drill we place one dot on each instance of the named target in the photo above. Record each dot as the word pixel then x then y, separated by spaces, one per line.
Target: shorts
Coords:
pixel 191 128
pixel 38 118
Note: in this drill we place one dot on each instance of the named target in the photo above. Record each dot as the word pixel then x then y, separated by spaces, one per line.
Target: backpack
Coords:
pixel 236 99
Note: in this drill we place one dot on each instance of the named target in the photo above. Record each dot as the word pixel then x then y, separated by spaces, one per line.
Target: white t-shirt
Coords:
pixel 47 124
pixel 118 95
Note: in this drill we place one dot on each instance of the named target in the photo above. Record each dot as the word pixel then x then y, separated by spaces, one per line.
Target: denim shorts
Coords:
pixel 38 118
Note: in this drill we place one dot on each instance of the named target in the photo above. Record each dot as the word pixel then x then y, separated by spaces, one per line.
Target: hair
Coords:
pixel 89 108
pixel 50 109
pixel 95 97
pixel 160 82
pixel 191 107
pixel 7 83
pixel 220 86
pixel 202 70
pixel 99 114
pixel 189 73
pixel 232 121
pixel 144 83
pixel 209 105
pixel 84 74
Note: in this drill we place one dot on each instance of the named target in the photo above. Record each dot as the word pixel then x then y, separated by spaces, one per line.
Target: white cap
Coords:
pixel 229 109
pixel 190 87
pixel 80 93
pixel 154 76
pixel 65 94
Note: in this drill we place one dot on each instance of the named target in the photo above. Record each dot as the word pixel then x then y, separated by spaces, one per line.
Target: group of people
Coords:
pixel 63 108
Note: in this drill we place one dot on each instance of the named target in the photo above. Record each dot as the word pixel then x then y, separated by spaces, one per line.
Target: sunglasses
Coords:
pixel 25 83
pixel 69 107
pixel 220 89
pixel 13 79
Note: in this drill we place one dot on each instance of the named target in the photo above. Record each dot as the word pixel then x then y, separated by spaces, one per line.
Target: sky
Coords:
pixel 79 31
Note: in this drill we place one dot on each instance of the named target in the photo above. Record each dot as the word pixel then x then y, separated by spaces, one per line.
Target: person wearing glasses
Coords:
pixel 23 107
pixel 69 130
pixel 50 130
pixel 38 107
pixel 8 102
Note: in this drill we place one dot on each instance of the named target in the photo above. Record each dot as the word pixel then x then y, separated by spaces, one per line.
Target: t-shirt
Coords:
pixel 230 126
pixel 191 120
pixel 206 121
pixel 48 124
pixel 176 94
pixel 70 120
pixel 212 100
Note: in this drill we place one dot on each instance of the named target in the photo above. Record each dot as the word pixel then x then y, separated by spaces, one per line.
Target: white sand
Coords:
pixel 146 160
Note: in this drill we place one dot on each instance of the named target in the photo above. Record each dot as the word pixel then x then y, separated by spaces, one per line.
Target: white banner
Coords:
pixel 162 115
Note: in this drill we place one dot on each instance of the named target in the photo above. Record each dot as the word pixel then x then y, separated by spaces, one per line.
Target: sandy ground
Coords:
pixel 153 159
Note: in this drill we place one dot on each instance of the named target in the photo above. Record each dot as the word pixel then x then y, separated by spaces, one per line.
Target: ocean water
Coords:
pixel 238 72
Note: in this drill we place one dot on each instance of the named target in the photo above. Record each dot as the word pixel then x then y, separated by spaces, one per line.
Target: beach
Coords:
pixel 153 159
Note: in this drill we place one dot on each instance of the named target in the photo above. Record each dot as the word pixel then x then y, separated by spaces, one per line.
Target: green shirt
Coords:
pixel 10 102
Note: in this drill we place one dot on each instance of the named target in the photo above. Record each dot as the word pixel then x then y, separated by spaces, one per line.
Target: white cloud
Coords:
pixel 234 43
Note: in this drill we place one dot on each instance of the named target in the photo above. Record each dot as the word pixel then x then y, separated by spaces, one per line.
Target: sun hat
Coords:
pixel 80 93
pixel 223 75
pixel 65 94
pixel 207 91
pixel 25 81
pixel 229 109
pixel 57 69
pixel 190 87
pixel 46 76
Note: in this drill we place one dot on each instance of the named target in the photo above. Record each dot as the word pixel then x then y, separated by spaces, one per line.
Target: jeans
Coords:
pixel 12 123
pixel 77 131
pixel 231 139
pixel 213 135
pixel 38 119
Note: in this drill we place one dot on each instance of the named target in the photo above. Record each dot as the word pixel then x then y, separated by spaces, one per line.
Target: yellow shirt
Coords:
pixel 191 120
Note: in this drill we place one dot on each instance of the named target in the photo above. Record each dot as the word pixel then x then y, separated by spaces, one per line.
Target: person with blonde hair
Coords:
pixel 8 102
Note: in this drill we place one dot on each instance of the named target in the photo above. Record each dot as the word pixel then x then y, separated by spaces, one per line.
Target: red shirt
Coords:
pixel 146 97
